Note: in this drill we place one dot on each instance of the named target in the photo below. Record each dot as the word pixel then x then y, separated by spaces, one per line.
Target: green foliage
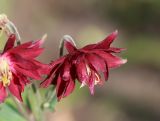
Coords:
pixel 35 104
pixel 50 99
pixel 8 113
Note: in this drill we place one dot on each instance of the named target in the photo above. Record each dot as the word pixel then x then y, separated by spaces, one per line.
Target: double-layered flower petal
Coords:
pixel 86 65
pixel 17 65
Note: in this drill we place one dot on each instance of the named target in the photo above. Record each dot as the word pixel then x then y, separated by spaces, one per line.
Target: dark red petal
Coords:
pixel 115 50
pixel 64 88
pixel 65 70
pixel 37 44
pixel 81 70
pixel 3 93
pixel 31 44
pixel 92 82
pixel 29 53
pixel 105 44
pixel 106 74
pixel 27 64
pixel 69 87
pixel 30 73
pixel 89 47
pixel 112 60
pixel 10 42
pixel 34 49
pixel 50 77
pixel 21 47
pixel 22 79
pixel 29 49
pixel 54 66
pixel 97 62
pixel 60 88
pixel 70 46
pixel 43 68
pixel 58 61
pixel 16 89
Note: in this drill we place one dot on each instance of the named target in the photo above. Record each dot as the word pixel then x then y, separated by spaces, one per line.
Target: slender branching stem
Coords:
pixel 21 109
pixel 61 47
pixel 13 29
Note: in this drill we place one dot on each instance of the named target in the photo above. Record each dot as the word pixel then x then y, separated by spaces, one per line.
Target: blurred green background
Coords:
pixel 132 91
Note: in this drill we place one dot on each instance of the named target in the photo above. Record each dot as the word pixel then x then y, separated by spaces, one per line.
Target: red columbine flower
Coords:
pixel 17 64
pixel 85 65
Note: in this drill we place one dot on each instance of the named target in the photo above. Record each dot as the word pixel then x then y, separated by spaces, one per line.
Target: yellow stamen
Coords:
pixel 5 73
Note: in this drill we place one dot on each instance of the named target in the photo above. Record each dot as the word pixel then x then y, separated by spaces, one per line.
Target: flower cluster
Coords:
pixel 86 65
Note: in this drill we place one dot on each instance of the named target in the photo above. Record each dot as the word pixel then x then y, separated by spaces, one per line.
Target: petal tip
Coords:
pixel 13 36
pixel 82 85
pixel 44 37
pixel 124 61
pixel 115 33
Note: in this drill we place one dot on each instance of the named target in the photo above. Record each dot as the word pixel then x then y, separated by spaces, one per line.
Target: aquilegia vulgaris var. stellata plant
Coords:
pixel 19 69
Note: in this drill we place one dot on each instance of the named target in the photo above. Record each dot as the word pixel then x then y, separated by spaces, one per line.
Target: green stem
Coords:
pixel 39 101
pixel 21 109
pixel 50 96
pixel 37 93
pixel 12 29
pixel 61 47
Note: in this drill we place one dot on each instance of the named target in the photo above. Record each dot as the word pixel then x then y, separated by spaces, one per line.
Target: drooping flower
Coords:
pixel 17 65
pixel 85 64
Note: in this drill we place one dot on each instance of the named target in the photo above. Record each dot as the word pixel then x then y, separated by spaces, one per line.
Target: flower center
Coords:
pixel 97 80
pixel 5 72
pixel 88 70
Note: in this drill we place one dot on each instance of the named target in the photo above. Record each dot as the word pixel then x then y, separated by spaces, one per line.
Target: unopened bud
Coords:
pixel 3 20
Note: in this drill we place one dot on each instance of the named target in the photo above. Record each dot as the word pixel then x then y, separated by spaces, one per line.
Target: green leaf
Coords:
pixel 53 103
pixel 51 99
pixel 9 114
pixel 35 105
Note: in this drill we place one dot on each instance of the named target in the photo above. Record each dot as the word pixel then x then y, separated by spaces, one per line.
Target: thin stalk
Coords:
pixel 61 46
pixel 39 101
pixel 37 92
pixel 13 29
pixel 51 97
pixel 21 109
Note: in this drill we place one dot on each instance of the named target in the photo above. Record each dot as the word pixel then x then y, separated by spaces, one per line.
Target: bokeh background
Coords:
pixel 132 91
